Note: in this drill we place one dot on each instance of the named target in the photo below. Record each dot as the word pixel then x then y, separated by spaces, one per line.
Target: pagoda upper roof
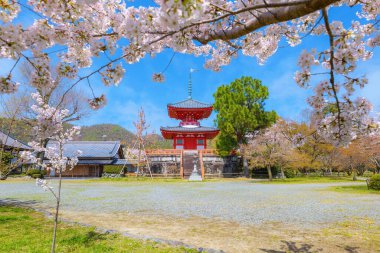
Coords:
pixel 190 103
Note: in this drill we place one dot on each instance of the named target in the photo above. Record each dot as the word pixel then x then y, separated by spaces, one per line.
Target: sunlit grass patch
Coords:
pixel 365 229
pixel 355 189
pixel 24 230
pixel 305 180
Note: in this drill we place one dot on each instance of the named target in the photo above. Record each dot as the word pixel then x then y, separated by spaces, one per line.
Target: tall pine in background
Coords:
pixel 240 112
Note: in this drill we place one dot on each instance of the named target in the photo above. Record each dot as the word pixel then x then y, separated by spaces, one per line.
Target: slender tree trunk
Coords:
pixel 245 167
pixel 269 173
pixel 57 212
pixel 245 161
pixel 282 172
pixel 138 161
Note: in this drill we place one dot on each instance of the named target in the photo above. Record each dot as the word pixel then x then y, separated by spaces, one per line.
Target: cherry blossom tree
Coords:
pixel 373 152
pixel 270 147
pixel 50 126
pixel 76 32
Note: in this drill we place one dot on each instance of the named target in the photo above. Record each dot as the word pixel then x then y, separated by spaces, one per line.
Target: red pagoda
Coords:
pixel 189 134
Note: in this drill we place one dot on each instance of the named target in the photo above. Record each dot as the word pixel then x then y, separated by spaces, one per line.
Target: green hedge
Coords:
pixel 289 173
pixel 112 169
pixel 36 173
pixel 374 182
pixel 368 173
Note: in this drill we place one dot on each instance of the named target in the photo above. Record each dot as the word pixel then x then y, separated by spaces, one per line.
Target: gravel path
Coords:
pixel 306 205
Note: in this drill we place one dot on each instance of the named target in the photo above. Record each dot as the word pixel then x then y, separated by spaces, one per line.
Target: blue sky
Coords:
pixel 137 89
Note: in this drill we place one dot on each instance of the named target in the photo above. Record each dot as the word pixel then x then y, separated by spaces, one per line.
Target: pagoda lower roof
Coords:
pixel 190 129
pixel 190 103
pixel 170 132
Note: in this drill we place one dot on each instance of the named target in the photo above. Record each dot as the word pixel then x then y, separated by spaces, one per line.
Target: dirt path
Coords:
pixel 359 236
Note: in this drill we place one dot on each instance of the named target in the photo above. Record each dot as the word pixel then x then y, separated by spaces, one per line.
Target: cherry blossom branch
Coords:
pixel 13 67
pixel 294 10
pixel 170 61
pixel 86 77
pixel 332 77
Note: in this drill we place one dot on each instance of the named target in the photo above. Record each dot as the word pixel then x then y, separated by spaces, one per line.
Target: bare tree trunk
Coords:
pixel 354 178
pixel 282 172
pixel 269 173
pixel 58 198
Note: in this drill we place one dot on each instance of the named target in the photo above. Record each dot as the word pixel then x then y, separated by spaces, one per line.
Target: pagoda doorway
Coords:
pixel 190 143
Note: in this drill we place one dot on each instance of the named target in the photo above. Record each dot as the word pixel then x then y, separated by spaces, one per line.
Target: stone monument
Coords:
pixel 195 175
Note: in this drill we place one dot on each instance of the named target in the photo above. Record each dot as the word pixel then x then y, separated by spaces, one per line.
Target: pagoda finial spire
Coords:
pixel 190 85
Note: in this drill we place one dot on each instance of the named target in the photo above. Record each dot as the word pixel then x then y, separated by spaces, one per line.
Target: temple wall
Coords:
pixel 84 171
pixel 214 165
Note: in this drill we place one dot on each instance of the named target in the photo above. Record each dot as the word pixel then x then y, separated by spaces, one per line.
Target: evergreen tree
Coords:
pixel 240 112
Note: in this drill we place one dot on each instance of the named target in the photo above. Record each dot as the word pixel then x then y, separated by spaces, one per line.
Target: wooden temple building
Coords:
pixel 94 156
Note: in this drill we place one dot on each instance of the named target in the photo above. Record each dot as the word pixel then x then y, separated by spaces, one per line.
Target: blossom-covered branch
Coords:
pixel 215 29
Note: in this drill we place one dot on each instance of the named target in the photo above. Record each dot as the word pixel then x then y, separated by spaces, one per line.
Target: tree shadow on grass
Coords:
pixel 350 249
pixel 305 248
pixel 20 203
pixel 87 238
pixel 293 247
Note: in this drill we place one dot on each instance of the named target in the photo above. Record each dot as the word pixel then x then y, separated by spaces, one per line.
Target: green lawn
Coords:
pixel 357 189
pixel 305 180
pixel 24 230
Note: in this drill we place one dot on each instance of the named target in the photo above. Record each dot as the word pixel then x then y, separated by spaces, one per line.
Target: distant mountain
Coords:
pixel 112 132
pixel 109 132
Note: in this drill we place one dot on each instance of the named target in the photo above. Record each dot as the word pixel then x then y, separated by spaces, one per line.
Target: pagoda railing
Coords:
pixel 209 151
pixel 152 152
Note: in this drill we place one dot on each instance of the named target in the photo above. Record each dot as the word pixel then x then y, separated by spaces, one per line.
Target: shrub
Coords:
pixel 289 173
pixel 367 173
pixel 108 175
pixel 35 173
pixel 374 182
pixel 112 169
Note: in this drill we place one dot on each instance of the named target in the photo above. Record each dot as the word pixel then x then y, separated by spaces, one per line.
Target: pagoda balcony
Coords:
pixel 189 123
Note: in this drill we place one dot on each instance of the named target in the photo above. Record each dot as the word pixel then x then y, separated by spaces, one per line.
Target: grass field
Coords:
pixel 297 180
pixel 306 180
pixel 24 230
pixel 356 189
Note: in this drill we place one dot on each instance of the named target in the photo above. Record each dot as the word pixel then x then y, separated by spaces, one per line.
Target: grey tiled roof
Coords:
pixel 120 162
pixel 103 161
pixel 11 142
pixel 90 149
pixel 190 129
pixel 190 103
